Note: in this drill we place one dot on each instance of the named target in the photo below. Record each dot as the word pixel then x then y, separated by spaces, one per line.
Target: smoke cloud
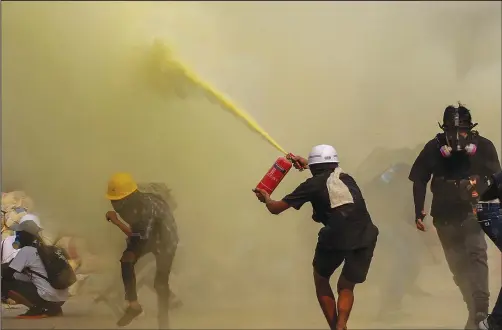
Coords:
pixel 79 103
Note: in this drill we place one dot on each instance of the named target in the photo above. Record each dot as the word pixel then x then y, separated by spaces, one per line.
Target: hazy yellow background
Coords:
pixel 78 105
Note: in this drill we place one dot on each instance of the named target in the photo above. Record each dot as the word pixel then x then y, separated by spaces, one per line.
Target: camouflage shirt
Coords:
pixel 151 221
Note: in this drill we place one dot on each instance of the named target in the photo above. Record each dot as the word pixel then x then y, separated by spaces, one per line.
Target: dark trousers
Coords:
pixel 464 247
pixel 164 263
pixel 12 288
pixel 164 257
pixel 490 220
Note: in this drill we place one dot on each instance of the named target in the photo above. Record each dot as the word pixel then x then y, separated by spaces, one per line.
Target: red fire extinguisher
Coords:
pixel 275 175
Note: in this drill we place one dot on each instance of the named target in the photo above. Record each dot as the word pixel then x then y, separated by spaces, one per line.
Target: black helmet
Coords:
pixel 457 117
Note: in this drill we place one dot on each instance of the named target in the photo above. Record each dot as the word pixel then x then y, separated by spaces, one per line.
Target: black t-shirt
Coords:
pixel 459 166
pixel 347 226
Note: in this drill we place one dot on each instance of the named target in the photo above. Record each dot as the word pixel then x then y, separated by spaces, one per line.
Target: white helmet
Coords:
pixel 322 154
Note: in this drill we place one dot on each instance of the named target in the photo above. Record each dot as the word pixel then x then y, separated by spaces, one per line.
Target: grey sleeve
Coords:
pixel 20 261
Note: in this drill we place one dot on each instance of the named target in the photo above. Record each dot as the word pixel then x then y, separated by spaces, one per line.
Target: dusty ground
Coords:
pixel 418 313
pixel 78 316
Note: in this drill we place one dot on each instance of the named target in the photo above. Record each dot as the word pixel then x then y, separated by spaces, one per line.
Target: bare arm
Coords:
pixel 295 200
pixel 113 218
pixel 275 207
pixel 299 162
pixel 125 228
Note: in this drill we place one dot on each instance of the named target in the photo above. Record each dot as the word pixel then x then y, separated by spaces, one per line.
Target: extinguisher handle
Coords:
pixel 296 164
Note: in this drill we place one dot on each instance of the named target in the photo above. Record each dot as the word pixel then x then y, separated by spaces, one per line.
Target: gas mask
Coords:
pixel 458 134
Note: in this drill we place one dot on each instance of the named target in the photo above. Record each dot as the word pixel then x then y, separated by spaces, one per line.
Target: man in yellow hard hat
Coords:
pixel 150 228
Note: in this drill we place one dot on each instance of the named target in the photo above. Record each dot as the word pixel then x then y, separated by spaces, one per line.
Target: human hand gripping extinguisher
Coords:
pixel 277 172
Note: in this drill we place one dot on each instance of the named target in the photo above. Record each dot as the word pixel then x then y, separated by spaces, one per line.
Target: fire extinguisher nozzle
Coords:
pixel 291 157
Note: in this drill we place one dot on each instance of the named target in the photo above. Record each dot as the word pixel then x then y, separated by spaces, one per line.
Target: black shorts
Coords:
pixel 356 266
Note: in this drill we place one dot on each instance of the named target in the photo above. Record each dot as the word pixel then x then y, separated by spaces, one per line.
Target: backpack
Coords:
pixel 60 274
pixel 161 190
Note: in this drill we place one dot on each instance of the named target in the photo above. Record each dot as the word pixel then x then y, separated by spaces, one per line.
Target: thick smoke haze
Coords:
pixel 80 102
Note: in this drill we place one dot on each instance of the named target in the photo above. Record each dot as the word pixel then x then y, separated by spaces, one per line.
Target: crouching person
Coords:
pixel 26 279
pixel 150 228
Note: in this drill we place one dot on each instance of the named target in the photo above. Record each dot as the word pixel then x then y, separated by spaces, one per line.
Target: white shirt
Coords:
pixel 8 252
pixel 27 258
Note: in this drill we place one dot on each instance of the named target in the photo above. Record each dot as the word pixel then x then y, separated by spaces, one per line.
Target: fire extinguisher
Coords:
pixel 275 174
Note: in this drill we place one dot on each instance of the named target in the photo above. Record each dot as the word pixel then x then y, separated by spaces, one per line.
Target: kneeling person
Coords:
pixel 348 235
pixel 25 277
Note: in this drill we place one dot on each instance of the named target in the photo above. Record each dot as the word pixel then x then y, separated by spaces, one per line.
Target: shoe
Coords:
pixel 53 311
pixel 34 313
pixel 488 324
pixel 129 315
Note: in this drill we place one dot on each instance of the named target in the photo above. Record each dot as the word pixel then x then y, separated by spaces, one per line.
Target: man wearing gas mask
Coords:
pixel 490 218
pixel 456 158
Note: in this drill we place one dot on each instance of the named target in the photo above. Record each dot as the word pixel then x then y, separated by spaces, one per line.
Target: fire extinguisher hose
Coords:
pixel 226 102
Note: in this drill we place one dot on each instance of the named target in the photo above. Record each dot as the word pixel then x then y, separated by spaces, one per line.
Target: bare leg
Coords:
pixel 345 301
pixel 326 299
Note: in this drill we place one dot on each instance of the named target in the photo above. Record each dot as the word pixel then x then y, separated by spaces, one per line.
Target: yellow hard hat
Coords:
pixel 120 186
